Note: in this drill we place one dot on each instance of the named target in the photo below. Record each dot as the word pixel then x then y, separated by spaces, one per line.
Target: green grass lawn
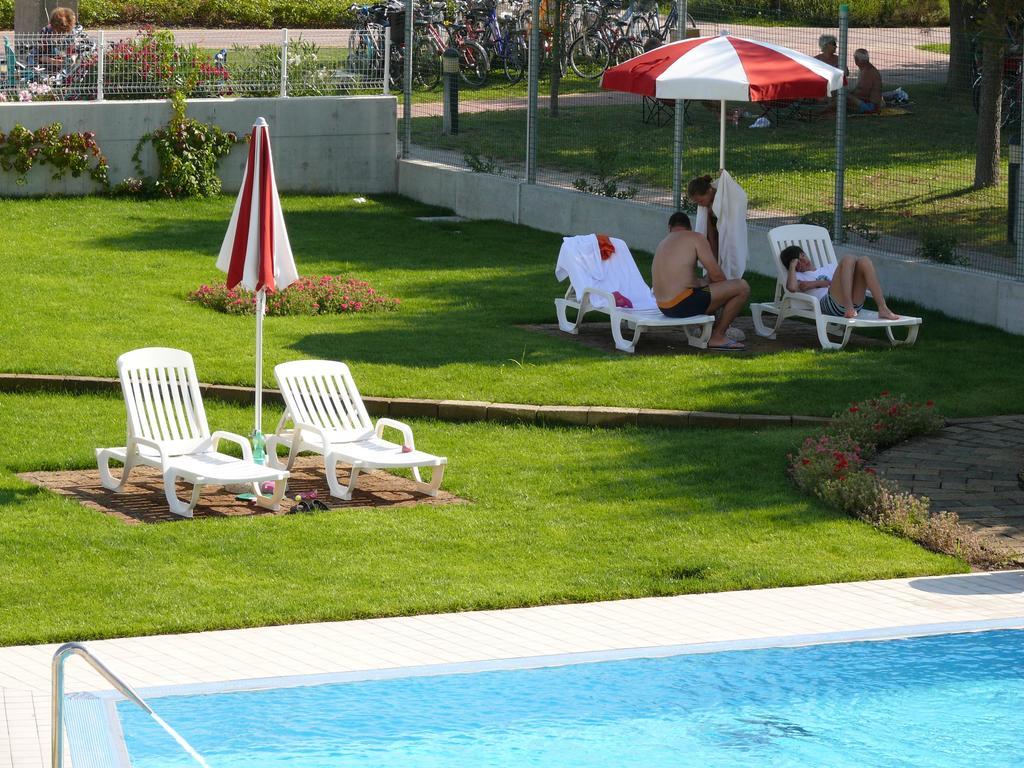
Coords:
pixel 558 515
pixel 934 47
pixel 904 174
pixel 90 278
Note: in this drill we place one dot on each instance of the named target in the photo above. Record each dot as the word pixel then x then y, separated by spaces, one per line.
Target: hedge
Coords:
pixel 269 14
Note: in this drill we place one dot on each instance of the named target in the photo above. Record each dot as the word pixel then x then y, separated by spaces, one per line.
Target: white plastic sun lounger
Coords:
pixel 817 244
pixel 584 299
pixel 167 429
pixel 327 416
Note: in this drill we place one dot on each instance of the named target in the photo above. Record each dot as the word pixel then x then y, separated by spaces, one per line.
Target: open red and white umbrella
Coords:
pixel 724 68
pixel 256 252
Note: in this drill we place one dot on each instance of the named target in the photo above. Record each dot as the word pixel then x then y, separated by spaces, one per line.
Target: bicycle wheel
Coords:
pixel 625 49
pixel 589 57
pixel 473 66
pixel 515 60
pixel 426 65
pixel 1010 107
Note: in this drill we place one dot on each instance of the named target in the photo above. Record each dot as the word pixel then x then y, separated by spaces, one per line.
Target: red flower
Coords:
pixel 929 404
pixel 854 409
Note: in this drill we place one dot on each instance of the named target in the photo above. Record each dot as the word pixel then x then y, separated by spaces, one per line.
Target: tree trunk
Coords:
pixel 960 75
pixel 986 164
pixel 557 44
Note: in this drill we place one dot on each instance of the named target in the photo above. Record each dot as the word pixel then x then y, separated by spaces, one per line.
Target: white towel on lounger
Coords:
pixel 580 260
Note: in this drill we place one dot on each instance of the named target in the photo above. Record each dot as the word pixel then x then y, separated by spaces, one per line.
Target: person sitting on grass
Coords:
pixel 839 288
pixel 867 96
pixel 828 46
pixel 680 293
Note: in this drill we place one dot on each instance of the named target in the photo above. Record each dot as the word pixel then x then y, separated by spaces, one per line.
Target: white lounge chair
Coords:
pixel 167 429
pixel 584 297
pixel 817 244
pixel 327 416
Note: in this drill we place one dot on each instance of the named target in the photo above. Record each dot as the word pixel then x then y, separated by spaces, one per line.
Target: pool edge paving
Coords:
pixel 403 645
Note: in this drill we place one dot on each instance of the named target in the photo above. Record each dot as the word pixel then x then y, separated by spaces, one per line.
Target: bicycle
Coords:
pixel 501 38
pixel 606 41
pixel 366 41
pixel 430 45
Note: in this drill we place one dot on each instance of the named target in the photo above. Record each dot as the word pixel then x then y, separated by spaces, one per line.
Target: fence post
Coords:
pixel 535 55
pixel 1019 229
pixel 387 59
pixel 101 54
pixel 284 62
pixel 679 124
pixel 410 22
pixel 837 203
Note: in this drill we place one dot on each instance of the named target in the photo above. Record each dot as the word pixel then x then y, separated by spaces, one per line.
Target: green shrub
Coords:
pixel 258 14
pixel 940 247
pixel 886 13
pixel 188 152
pixel 6 14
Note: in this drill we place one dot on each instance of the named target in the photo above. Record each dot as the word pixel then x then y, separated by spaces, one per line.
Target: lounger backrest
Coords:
pixel 322 393
pixel 814 241
pixel 161 394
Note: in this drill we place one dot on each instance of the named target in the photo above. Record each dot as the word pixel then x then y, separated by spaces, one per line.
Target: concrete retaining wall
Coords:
pixel 959 293
pixel 322 144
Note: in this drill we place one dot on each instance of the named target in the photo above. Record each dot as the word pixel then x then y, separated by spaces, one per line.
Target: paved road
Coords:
pixel 893 51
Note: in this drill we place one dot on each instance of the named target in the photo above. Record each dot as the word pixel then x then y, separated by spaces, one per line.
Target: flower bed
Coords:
pixel 831 466
pixel 327 295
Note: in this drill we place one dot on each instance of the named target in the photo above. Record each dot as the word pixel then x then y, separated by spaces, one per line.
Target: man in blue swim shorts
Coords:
pixel 839 288
pixel 867 96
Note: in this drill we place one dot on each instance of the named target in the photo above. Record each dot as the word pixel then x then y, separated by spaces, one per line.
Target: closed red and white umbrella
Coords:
pixel 256 252
pixel 724 68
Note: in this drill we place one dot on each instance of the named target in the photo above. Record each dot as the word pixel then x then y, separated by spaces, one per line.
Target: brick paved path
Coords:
pixel 970 468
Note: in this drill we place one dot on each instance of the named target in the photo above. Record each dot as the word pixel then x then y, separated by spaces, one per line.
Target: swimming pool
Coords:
pixel 935 701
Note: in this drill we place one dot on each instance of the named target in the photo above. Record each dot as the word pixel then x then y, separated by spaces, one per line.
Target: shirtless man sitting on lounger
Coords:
pixel 839 288
pixel 680 293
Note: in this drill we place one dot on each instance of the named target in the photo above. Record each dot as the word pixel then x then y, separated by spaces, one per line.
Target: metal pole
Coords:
pixel 284 62
pixel 680 118
pixel 532 92
pixel 57 694
pixel 1019 230
pixel 837 222
pixel 387 60
pixel 101 53
pixel 410 22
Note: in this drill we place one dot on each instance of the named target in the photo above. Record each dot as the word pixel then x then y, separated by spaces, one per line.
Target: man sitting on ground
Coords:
pixel 867 96
pixel 680 293
pixel 839 288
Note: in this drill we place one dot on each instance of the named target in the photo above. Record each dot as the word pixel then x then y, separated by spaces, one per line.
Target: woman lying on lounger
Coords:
pixel 839 288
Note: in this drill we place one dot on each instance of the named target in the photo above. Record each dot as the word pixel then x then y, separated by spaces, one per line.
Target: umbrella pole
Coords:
pixel 721 136
pixel 261 303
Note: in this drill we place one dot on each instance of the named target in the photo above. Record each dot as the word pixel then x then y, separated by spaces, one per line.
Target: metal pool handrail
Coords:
pixel 57 692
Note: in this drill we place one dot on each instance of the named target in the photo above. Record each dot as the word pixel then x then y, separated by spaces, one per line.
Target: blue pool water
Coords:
pixel 948 700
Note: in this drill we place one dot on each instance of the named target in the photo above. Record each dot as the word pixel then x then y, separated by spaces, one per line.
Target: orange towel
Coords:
pixel 604 244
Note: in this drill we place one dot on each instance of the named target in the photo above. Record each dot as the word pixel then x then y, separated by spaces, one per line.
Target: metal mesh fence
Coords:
pixel 912 185
pixel 488 44
pixel 154 64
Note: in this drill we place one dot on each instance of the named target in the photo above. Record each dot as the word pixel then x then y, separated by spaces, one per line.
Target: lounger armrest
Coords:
pixel 401 426
pixel 300 427
pixel 587 292
pixel 231 437
pixel 137 441
pixel 801 299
